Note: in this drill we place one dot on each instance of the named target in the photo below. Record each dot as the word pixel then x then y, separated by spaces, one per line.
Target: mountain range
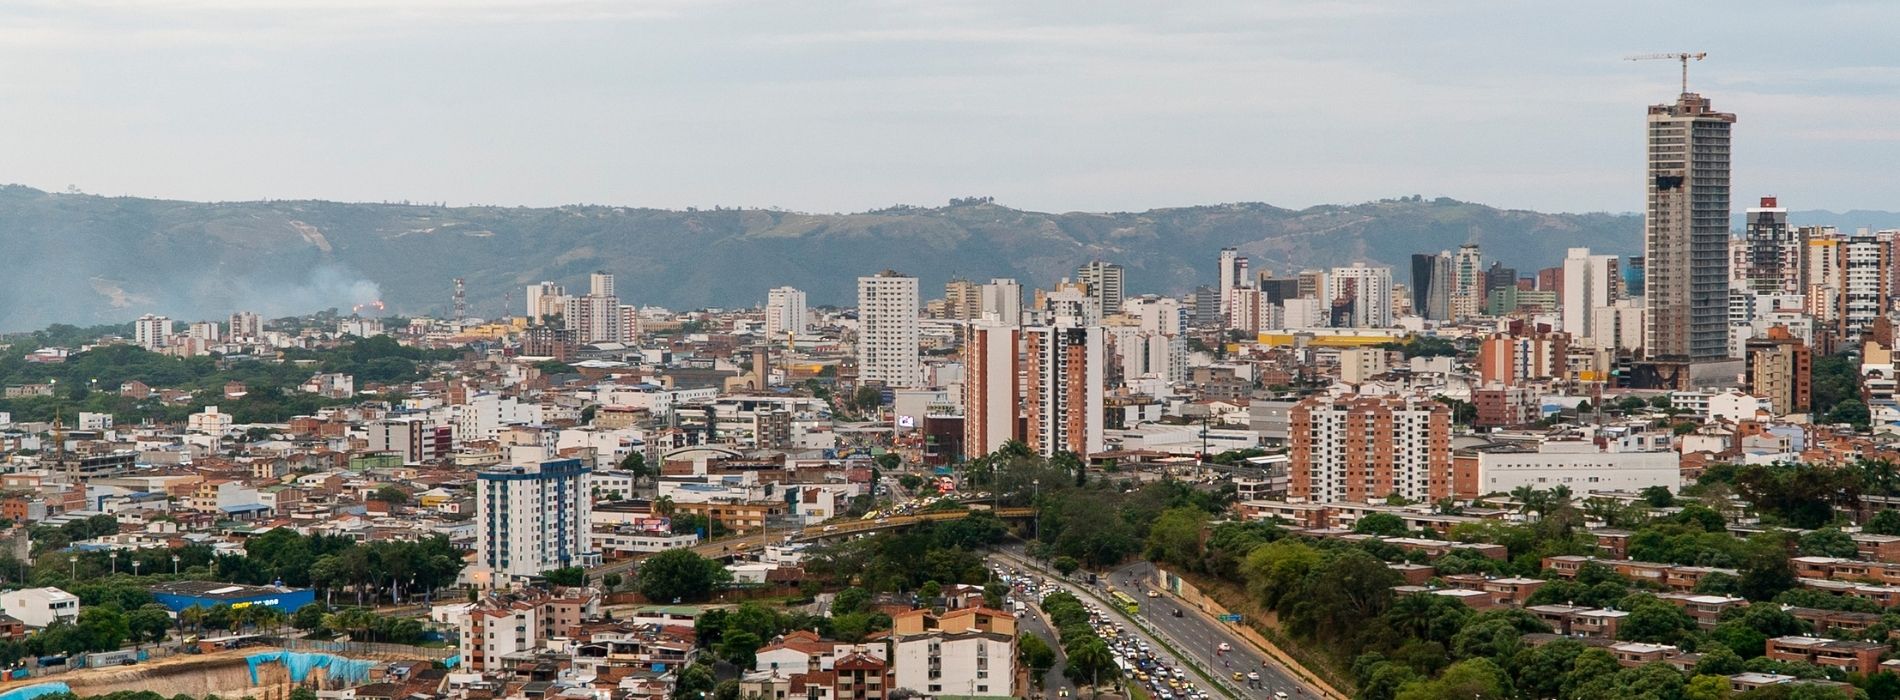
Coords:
pixel 84 259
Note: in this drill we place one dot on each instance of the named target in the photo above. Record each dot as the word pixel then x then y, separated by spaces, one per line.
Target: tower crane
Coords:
pixel 1683 57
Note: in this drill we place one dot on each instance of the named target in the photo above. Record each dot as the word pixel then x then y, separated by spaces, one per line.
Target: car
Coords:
pixel 1238 675
pixel 1253 675
pixel 1153 593
pixel 831 528
pixel 1062 693
pixel 1225 647
pixel 1279 695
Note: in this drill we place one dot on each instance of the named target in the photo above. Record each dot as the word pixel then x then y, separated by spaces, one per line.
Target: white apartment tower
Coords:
pixel 596 317
pixel 1360 296
pixel 1233 274
pixel 785 313
pixel 532 518
pixel 1104 283
pixel 888 343
pixel 545 299
pixel 1002 301
pixel 1590 283
pixel 1467 282
pixel 152 332
pixel 246 325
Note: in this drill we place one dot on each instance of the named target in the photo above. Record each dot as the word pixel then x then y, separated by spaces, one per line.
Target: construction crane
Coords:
pixel 1683 57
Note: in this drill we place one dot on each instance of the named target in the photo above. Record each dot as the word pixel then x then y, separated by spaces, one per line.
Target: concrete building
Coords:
pixel 785 313
pixel 1686 225
pixel 887 330
pixel 1580 465
pixel 1773 252
pixel 152 332
pixel 418 440
pixel 531 519
pixel 596 316
pixel 1002 301
pixel 1366 448
pixel 39 607
pixel 961 653
pixel 1467 282
pixel 1064 384
pixel 1431 285
pixel 1232 272
pixel 1780 369
pixel 1590 282
pixel 545 299
pixel 1104 283
pixel 1513 360
pixel 1360 296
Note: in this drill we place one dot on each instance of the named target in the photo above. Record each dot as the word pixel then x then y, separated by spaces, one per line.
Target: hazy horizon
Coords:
pixel 855 106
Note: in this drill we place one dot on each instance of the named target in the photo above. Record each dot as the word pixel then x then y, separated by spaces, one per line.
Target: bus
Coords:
pixel 1126 602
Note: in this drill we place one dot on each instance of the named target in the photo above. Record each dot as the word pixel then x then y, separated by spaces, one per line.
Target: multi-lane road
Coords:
pixel 1196 636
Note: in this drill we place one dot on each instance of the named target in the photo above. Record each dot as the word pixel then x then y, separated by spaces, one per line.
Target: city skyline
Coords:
pixel 955 97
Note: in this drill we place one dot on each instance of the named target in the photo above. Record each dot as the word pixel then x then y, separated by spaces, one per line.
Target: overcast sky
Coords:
pixel 844 105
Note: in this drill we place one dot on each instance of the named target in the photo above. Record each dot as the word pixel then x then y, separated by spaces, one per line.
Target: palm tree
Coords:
pixel 664 506
pixel 194 616
pixel 1091 659
pixel 1413 613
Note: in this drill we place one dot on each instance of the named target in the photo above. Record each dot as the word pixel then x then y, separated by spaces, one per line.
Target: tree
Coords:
pixel 1471 678
pixel 1886 522
pixel 694 682
pixel 993 594
pixel 851 600
pixel 866 399
pixel 1065 565
pixel 1707 687
pixel 1658 496
pixel 1829 542
pixel 679 574
pixel 1035 654
pixel 1091 662
pixel 1175 537
pixel 1766 572
pixel 737 647
pixel 148 624
pixel 611 581
pixel 1654 621
pixel 390 494
pixel 1385 524
pixel 569 576
pixel 1849 411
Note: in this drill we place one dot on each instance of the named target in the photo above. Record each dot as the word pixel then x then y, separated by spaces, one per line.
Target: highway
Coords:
pixel 1196 636
pixel 1200 634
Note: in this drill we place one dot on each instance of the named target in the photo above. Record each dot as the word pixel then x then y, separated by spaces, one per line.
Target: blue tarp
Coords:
pixel 338 669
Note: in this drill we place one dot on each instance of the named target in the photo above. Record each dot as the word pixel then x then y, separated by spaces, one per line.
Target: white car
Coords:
pixel 1253 675
pixel 1225 647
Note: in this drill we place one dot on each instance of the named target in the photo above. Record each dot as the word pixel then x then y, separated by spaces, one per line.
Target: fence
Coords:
pixel 407 651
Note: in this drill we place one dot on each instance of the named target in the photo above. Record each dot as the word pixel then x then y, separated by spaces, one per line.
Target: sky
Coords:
pixel 848 105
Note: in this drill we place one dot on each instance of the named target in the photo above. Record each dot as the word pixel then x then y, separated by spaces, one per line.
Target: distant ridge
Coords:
pixel 90 259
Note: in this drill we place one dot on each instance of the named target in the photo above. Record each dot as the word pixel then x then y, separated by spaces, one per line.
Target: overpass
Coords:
pixel 728 547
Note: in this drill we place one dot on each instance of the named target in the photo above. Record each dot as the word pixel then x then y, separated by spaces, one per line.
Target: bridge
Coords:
pixel 728 547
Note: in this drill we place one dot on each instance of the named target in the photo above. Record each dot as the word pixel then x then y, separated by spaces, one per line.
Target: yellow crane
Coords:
pixel 1684 57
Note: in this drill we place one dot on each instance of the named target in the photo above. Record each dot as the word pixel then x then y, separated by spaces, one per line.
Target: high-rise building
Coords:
pixel 1360 296
pixel 246 325
pixel 1002 301
pixel 1157 314
pixel 1514 360
pixel 991 386
pixel 1590 282
pixel 601 284
pixel 152 332
pixel 1636 277
pixel 531 519
pixel 1365 448
pixel 1467 282
pixel 1230 273
pixel 1774 251
pixel 545 299
pixel 1866 262
pixel 962 299
pixel 1064 384
pixel 1431 285
pixel 593 318
pixel 888 343
pixel 1686 231
pixel 1104 283
pixel 1312 284
pixel 1207 307
pixel 785 312
pixel 1780 369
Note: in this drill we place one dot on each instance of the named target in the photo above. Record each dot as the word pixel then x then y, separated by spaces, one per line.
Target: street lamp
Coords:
pixel 74 560
pixel 174 565
pixel 114 556
pixel 1035 529
pixel 135 567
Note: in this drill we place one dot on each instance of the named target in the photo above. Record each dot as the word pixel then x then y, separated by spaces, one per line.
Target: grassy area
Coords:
pixel 1136 692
